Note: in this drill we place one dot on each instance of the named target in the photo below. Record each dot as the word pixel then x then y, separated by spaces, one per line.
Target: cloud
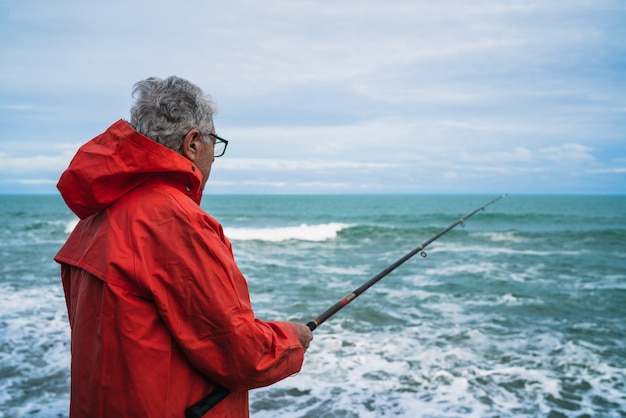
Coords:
pixel 519 154
pixel 35 165
pixel 353 95
pixel 614 170
pixel 17 107
pixel 29 182
pixel 567 153
pixel 249 164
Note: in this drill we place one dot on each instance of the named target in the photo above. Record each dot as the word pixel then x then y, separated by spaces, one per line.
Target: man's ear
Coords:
pixel 191 144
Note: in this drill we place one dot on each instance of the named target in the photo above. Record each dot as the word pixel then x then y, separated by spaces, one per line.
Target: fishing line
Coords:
pixel 201 407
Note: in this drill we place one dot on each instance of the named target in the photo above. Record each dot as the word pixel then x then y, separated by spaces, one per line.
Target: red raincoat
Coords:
pixel 158 309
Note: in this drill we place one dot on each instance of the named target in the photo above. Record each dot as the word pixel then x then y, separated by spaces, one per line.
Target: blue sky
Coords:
pixel 333 96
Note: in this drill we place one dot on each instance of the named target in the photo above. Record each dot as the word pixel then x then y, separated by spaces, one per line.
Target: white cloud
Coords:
pixel 17 107
pixel 29 182
pixel 519 154
pixel 35 165
pixel 615 170
pixel 249 164
pixel 247 184
pixel 567 153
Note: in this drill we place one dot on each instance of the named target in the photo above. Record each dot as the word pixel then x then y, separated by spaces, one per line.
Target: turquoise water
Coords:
pixel 519 313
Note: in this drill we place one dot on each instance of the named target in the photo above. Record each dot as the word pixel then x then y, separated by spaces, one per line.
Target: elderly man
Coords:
pixel 159 312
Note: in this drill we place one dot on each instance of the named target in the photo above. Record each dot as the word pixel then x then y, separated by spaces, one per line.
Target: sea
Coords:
pixel 517 311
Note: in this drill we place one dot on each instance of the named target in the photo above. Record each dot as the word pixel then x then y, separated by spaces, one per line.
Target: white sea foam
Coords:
pixel 69 226
pixel 303 232
pixel 484 268
pixel 448 247
pixel 342 271
pixel 406 374
pixel 510 236
pixel 35 350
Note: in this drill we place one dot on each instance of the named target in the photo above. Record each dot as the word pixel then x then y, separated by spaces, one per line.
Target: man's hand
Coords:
pixel 304 334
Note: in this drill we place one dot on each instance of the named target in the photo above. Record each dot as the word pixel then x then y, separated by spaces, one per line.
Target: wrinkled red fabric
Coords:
pixel 158 309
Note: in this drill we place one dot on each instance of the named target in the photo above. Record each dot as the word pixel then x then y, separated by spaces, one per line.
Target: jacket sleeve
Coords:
pixel 203 299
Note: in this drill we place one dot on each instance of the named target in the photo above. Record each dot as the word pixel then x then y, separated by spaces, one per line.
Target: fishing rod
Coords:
pixel 345 301
pixel 201 407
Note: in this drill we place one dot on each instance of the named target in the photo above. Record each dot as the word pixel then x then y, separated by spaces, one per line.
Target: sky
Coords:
pixel 339 97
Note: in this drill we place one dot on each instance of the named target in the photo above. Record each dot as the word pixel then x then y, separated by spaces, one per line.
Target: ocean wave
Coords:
pixel 69 226
pixel 303 232
pixel 510 236
pixel 34 356
pixel 515 315
pixel 445 372
pixel 486 250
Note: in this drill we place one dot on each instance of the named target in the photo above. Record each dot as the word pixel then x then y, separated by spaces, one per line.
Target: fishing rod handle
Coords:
pixel 198 409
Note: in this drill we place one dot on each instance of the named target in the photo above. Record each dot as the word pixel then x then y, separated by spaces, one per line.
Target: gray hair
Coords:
pixel 165 110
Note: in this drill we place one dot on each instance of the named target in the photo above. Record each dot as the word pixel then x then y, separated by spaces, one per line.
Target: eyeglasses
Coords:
pixel 219 145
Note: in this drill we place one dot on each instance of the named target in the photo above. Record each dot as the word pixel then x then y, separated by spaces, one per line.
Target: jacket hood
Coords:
pixel 118 161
